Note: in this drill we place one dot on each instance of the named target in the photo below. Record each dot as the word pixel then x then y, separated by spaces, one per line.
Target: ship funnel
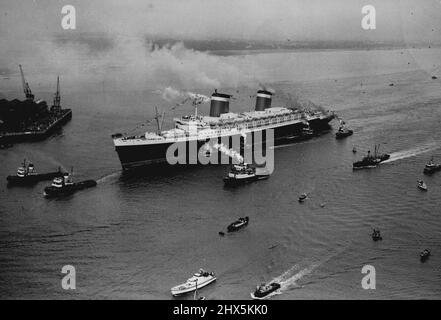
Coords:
pixel 263 100
pixel 220 103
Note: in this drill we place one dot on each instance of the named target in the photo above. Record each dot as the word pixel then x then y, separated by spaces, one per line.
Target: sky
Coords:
pixel 297 20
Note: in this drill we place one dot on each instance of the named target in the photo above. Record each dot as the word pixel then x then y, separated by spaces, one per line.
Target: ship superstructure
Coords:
pixel 287 123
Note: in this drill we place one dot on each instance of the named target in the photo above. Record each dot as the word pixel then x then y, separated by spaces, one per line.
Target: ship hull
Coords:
pixel 133 156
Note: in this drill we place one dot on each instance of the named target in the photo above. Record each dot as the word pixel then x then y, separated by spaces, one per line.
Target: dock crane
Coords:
pixel 26 88
pixel 57 98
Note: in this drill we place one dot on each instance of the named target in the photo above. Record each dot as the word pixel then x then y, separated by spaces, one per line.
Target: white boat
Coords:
pixel 199 280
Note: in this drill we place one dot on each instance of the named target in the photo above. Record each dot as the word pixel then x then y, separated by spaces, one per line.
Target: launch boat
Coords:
pixel 264 290
pixel 194 132
pixel 238 224
pixel 26 175
pixel 62 186
pixel 199 280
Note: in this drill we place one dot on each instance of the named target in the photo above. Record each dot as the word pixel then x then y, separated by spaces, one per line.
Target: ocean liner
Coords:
pixel 288 124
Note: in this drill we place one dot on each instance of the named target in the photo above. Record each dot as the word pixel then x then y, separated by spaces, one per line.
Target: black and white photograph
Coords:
pixel 225 150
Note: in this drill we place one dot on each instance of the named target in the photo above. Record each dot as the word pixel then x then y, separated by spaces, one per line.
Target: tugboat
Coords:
pixel 264 290
pixel 239 224
pixel 303 197
pixel 199 280
pixel 371 161
pixel 343 132
pixel 305 134
pixel 244 173
pixel 431 167
pixel 64 185
pixel 424 255
pixel 376 235
pixel 26 175
pixel 421 185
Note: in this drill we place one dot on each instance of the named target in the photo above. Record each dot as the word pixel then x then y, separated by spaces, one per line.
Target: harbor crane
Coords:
pixel 57 98
pixel 26 88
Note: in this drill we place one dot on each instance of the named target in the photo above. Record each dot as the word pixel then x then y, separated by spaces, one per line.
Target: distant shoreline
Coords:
pixel 287 50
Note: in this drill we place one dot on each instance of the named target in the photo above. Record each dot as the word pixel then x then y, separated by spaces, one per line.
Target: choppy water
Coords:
pixel 136 236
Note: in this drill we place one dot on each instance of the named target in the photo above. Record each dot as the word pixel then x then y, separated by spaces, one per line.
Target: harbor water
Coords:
pixel 137 235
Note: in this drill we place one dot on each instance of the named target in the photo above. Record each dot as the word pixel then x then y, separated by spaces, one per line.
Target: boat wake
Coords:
pixel 289 278
pixel 109 177
pixel 412 152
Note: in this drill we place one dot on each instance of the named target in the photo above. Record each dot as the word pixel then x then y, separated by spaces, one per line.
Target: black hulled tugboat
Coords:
pixel 27 175
pixel 371 161
pixel 238 224
pixel 243 173
pixel 343 131
pixel 424 255
pixel 62 186
pixel 264 290
pixel 431 167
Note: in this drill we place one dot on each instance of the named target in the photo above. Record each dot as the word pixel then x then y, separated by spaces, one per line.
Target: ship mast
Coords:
pixel 195 109
pixel 159 124
pixel 26 89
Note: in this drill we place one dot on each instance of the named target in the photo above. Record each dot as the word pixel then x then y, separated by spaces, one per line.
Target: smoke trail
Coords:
pixel 262 86
pixel 170 94
pixel 229 152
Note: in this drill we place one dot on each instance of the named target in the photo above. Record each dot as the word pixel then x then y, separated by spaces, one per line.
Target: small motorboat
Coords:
pixel 424 255
pixel 238 224
pixel 354 150
pixel 431 167
pixel 421 185
pixel 199 280
pixel 221 233
pixel 303 197
pixel 376 235
pixel 264 290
